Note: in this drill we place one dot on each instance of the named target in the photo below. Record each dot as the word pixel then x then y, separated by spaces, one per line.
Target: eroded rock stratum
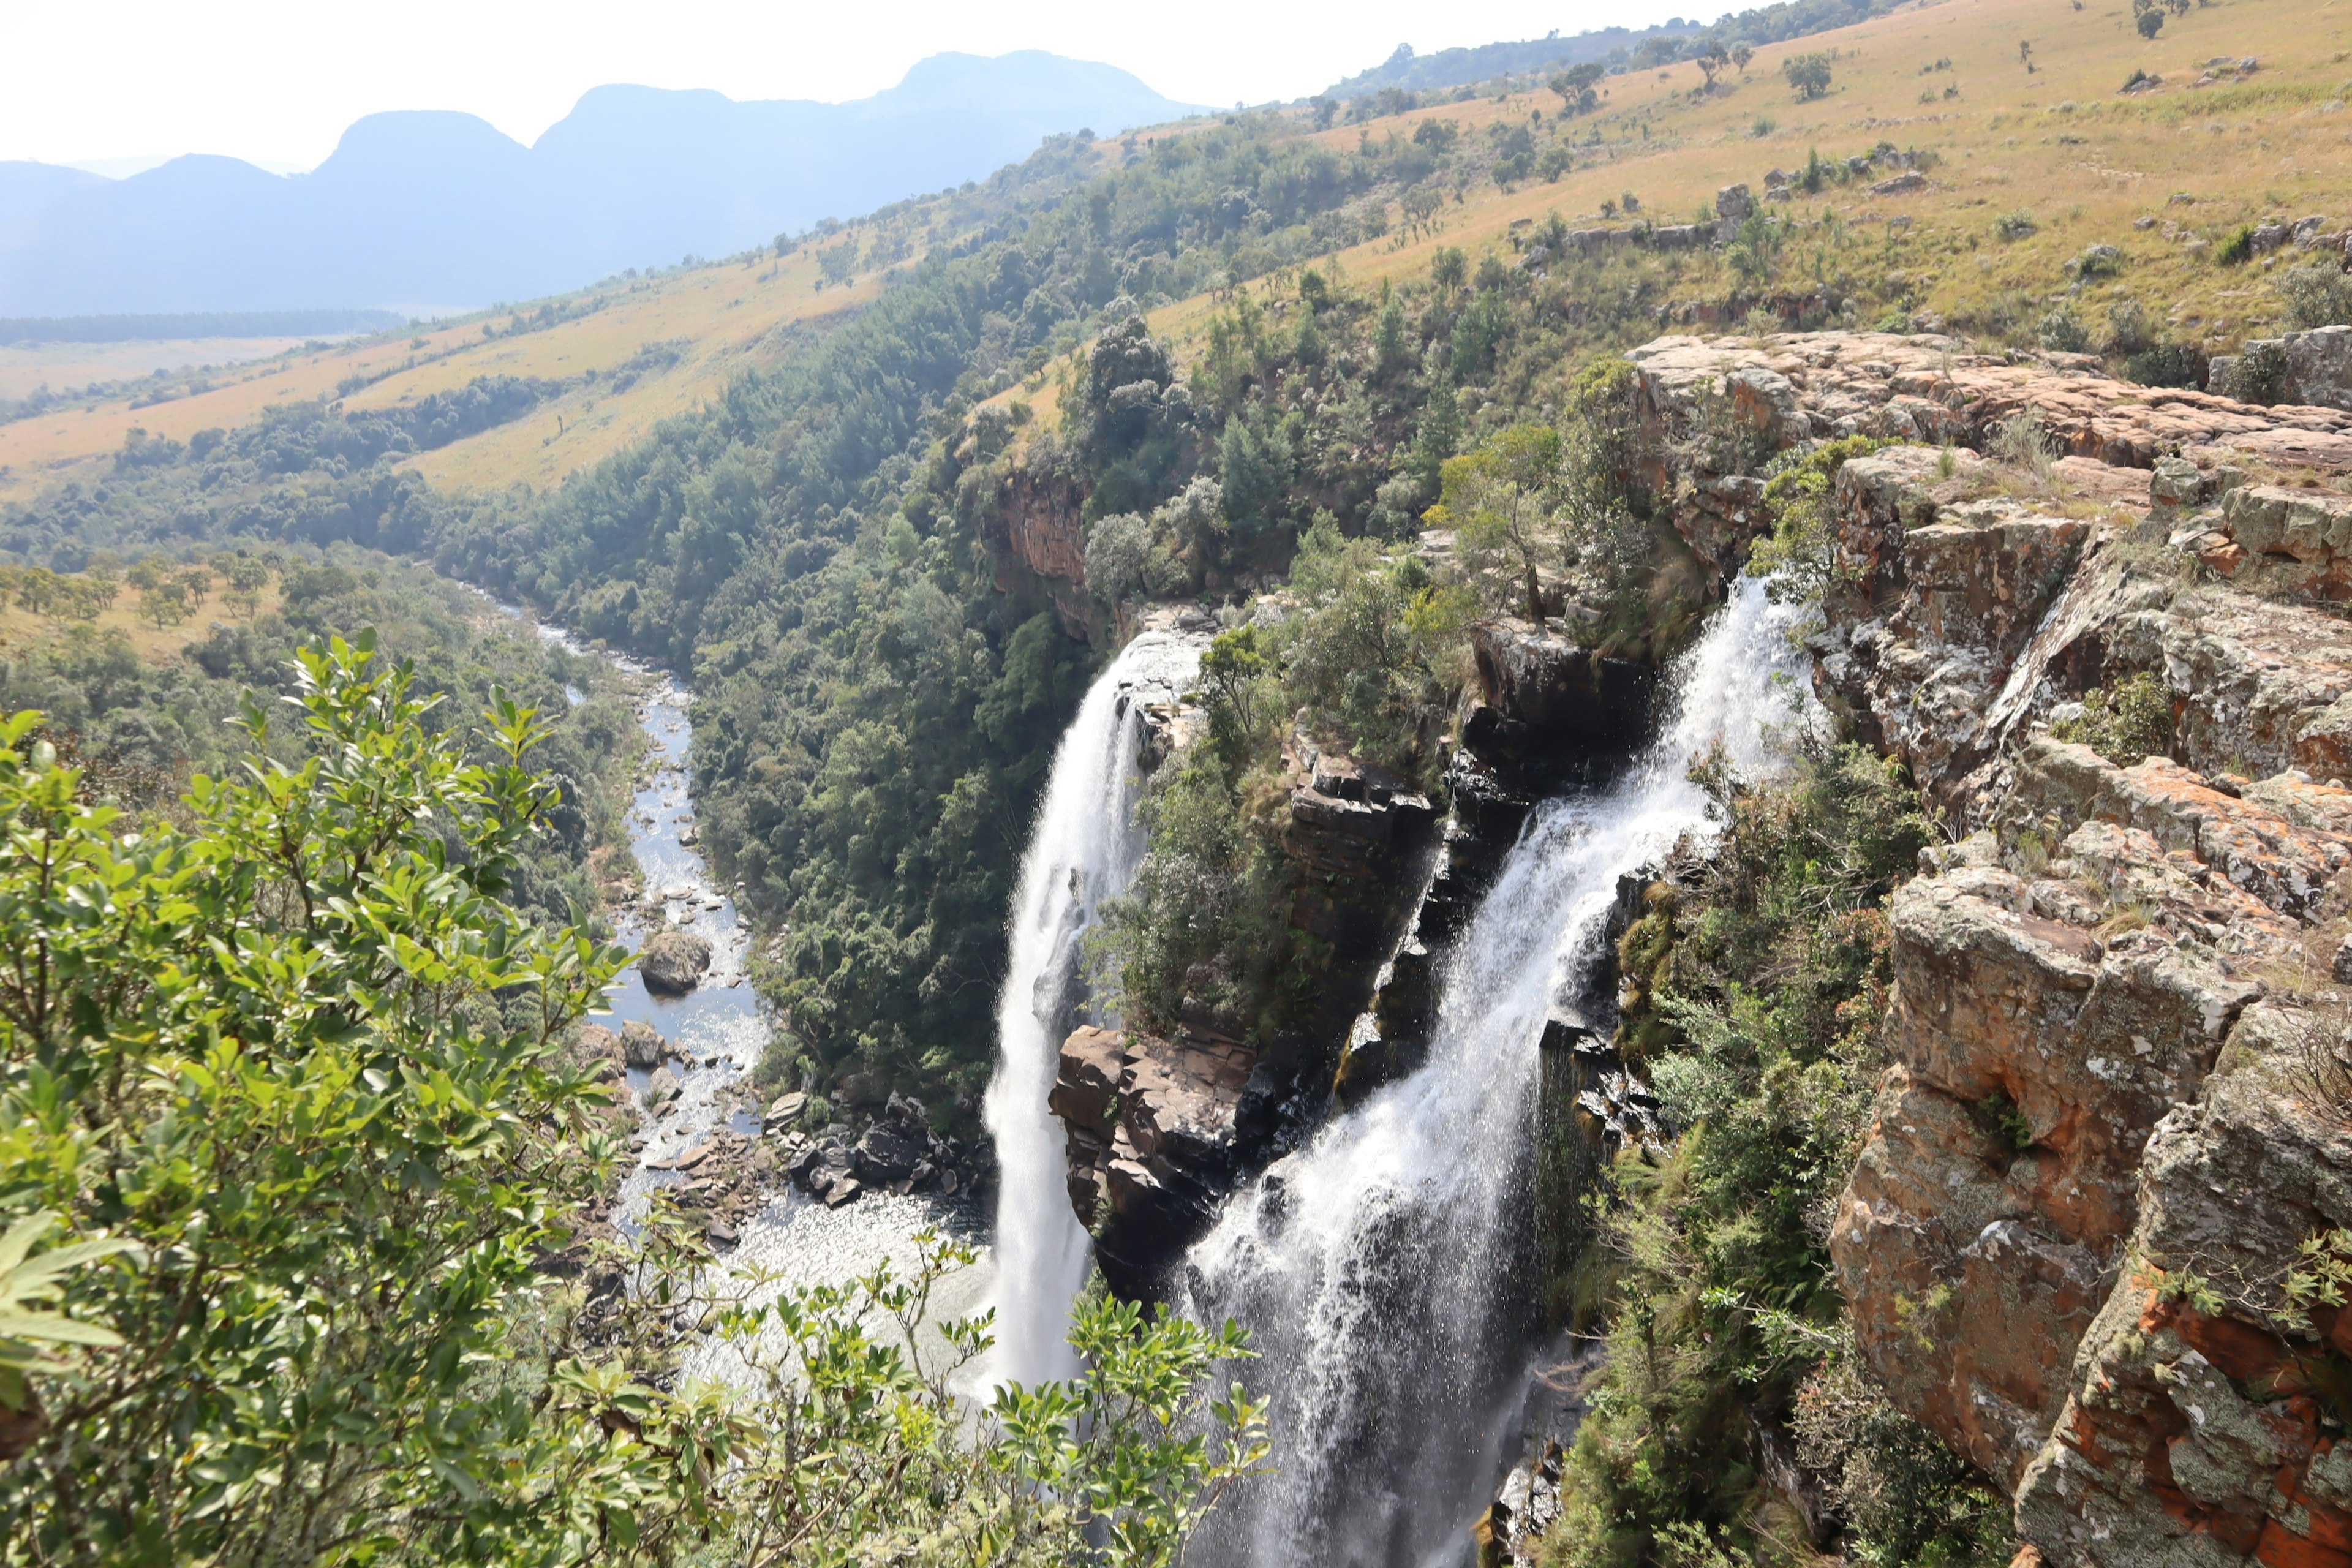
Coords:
pixel 2108 1126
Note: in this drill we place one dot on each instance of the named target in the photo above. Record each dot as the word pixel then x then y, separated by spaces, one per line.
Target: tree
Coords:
pixel 2148 15
pixel 1499 499
pixel 37 589
pixel 1740 55
pixel 164 600
pixel 1421 204
pixel 103 576
pixel 1231 668
pixel 1807 73
pixel 1325 110
pixel 1578 87
pixel 288 1116
pixel 1712 60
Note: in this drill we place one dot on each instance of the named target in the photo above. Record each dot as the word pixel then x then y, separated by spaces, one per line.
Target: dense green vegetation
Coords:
pixel 288 1119
pixel 822 549
pixel 825 551
pixel 1754 994
pixel 141 728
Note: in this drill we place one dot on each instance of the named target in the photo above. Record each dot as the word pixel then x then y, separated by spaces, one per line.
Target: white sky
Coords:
pixel 276 80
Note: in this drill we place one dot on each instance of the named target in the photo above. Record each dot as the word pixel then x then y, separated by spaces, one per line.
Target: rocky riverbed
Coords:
pixel 688 1045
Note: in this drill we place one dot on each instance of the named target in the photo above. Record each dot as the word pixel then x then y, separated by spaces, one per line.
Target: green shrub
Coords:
pixel 2319 295
pixel 2238 248
pixel 2126 724
pixel 2259 375
pixel 1800 554
pixel 1908 1498
pixel 2166 364
pixel 288 1081
pixel 1757 998
pixel 2062 332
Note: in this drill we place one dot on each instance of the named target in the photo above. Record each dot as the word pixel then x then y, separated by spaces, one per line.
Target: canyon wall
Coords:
pixel 2114 1118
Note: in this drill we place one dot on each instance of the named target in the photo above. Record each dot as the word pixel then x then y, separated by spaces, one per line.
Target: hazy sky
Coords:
pixel 276 80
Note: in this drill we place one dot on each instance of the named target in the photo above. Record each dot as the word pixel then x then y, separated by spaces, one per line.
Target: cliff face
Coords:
pixel 2112 1117
pixel 1039 535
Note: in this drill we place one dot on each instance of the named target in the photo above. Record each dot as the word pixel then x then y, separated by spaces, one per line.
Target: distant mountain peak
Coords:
pixel 441 204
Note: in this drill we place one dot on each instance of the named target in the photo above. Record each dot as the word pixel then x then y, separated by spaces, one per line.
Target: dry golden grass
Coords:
pixel 26 367
pixel 2061 142
pixel 726 315
pixel 21 630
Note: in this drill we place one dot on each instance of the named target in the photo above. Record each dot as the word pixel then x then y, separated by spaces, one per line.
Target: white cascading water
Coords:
pixel 1084 851
pixel 1375 1267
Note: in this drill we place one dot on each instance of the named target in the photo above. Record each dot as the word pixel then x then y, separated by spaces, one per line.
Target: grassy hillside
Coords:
pixel 722 319
pixel 2060 145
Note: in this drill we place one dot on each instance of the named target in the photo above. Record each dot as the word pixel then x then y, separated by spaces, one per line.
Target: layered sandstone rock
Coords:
pixel 2106 996
pixel 2062 983
pixel 1150 1126
pixel 1708 407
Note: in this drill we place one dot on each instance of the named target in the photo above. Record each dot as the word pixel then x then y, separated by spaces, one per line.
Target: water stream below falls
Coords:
pixel 1381 1269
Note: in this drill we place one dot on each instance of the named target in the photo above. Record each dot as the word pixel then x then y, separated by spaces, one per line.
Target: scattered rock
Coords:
pixel 1901 184
pixel 642 1044
pixel 673 962
pixel 599 1049
pixel 784 1112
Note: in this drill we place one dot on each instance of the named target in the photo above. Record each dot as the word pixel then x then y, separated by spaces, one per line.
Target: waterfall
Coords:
pixel 1377 1268
pixel 1083 850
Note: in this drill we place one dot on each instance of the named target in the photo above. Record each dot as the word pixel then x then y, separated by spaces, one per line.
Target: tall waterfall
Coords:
pixel 1084 850
pixel 1375 1266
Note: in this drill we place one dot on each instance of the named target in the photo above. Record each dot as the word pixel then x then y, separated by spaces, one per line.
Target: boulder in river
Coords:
pixel 641 1044
pixel 601 1051
pixel 674 960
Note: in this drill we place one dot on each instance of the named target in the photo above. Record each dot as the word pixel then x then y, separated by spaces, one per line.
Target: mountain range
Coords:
pixel 421 210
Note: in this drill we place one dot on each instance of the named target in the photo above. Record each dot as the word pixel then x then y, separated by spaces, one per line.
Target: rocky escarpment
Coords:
pixel 2113 1117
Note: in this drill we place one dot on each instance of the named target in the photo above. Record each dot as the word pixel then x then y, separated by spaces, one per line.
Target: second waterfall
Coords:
pixel 1083 850
pixel 1378 1268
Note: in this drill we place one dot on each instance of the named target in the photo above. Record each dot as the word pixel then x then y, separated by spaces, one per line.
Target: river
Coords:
pixel 718 1030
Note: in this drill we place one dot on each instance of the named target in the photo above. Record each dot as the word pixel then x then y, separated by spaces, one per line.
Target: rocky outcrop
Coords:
pixel 673 962
pixel 1151 1128
pixel 1158 1129
pixel 2216 1433
pixel 1708 410
pixel 2062 983
pixel 898 1152
pixel 1038 534
pixel 2102 1143
pixel 642 1044
pixel 1542 690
